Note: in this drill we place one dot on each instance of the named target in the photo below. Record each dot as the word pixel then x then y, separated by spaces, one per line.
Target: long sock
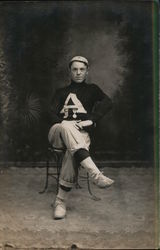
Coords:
pixel 90 167
pixel 62 194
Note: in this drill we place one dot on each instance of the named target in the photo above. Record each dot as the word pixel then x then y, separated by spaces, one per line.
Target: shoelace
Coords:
pixel 60 203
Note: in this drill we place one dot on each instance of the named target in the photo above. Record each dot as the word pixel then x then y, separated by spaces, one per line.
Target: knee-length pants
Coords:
pixel 68 137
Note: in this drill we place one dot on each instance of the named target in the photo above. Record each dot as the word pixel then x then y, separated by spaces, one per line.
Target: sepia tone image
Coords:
pixel 79 124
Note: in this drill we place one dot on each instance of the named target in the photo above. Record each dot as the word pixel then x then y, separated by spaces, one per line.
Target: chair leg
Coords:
pixel 89 190
pixel 77 185
pixel 46 182
pixel 58 165
pixel 58 174
pixel 76 168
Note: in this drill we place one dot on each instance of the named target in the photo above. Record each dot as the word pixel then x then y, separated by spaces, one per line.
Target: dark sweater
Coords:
pixel 79 101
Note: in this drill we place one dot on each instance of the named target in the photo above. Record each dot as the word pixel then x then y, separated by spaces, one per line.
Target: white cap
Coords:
pixel 78 59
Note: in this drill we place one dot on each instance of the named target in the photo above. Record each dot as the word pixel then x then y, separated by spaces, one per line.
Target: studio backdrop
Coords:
pixel 37 40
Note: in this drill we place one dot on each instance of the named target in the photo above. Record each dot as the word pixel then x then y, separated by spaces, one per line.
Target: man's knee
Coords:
pixel 58 129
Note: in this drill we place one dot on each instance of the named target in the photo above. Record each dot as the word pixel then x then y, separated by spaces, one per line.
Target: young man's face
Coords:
pixel 79 72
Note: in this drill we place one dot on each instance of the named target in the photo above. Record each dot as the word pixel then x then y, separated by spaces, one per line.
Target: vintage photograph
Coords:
pixel 79 124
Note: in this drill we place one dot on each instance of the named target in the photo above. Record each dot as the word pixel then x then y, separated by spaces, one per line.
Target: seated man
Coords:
pixel 73 115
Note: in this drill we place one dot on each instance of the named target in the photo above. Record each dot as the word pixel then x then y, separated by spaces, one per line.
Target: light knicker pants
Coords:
pixel 68 137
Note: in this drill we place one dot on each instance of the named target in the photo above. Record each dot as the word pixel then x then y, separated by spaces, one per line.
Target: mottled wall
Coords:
pixel 37 41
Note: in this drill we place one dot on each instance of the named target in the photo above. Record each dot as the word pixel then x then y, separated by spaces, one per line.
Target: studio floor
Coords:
pixel 124 218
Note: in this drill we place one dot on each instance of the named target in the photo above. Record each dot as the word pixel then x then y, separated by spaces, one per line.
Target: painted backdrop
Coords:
pixel 37 39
